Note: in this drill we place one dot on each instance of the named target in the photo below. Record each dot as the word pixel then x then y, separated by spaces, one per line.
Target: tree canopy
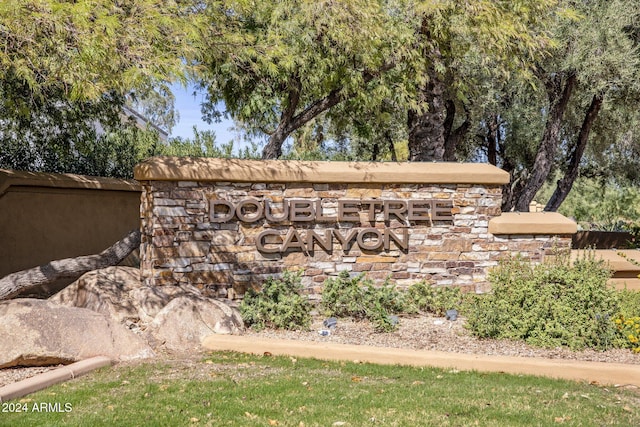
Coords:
pixel 67 68
pixel 586 83
pixel 545 89
pixel 279 65
pixel 90 48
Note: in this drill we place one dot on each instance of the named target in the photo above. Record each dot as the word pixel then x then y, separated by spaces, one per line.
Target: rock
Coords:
pixel 116 292
pixel 38 332
pixel 187 320
pixel 177 317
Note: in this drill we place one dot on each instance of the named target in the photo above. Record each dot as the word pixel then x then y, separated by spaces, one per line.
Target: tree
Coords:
pixel 156 103
pixel 369 133
pixel 279 65
pixel 66 70
pixel 500 39
pixel 87 49
pixel 592 70
pixel 607 63
pixel 292 62
pixel 599 204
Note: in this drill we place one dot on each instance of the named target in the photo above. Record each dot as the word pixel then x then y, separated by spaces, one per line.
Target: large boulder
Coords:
pixel 38 333
pixel 115 291
pixel 184 322
pixel 174 317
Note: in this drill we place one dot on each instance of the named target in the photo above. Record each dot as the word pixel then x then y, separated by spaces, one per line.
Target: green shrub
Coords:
pixel 356 297
pixel 279 304
pixel 345 296
pixel 425 298
pixel 629 303
pixel 551 304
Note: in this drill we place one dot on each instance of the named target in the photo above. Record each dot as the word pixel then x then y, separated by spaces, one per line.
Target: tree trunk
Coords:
pixel 492 140
pixel 426 129
pixel 392 148
pixel 452 137
pixel 511 189
pixel 564 185
pixel 69 268
pixel 375 151
pixel 449 140
pixel 273 149
pixel 558 100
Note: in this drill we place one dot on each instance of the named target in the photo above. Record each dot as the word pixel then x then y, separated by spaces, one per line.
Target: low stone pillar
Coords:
pixel 533 234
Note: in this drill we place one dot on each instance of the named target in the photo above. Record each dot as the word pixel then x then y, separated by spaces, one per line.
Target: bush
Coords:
pixel 628 320
pixel 628 332
pixel 437 300
pixel 356 297
pixel 551 304
pixel 279 304
pixel 629 303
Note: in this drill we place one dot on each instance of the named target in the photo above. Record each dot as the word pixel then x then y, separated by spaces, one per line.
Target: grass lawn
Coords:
pixel 244 390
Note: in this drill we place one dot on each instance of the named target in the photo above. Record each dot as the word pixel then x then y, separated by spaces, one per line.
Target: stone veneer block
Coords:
pixel 532 223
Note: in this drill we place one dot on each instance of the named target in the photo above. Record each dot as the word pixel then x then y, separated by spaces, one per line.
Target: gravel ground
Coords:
pixel 416 332
pixel 12 375
pixel 433 333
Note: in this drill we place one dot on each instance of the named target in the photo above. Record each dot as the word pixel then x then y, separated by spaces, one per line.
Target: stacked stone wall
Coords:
pixel 182 245
pixel 225 237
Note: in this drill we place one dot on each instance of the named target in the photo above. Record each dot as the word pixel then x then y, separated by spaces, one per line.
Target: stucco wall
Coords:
pixel 44 217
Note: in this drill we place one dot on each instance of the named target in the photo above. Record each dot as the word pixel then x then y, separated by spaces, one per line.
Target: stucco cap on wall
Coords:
pixel 12 178
pixel 547 223
pixel 236 170
pixel 619 260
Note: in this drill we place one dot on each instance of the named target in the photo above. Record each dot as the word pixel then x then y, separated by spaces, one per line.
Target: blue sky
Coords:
pixel 188 106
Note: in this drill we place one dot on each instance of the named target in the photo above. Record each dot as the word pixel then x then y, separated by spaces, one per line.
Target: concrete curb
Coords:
pixel 47 379
pixel 603 373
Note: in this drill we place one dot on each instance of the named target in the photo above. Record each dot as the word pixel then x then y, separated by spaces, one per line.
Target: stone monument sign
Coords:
pixel 225 225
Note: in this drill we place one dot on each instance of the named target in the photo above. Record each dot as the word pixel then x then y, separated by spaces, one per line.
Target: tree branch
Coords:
pixel 558 101
pixel 564 185
pixel 333 98
pixel 289 122
pixel 452 137
pixel 293 100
